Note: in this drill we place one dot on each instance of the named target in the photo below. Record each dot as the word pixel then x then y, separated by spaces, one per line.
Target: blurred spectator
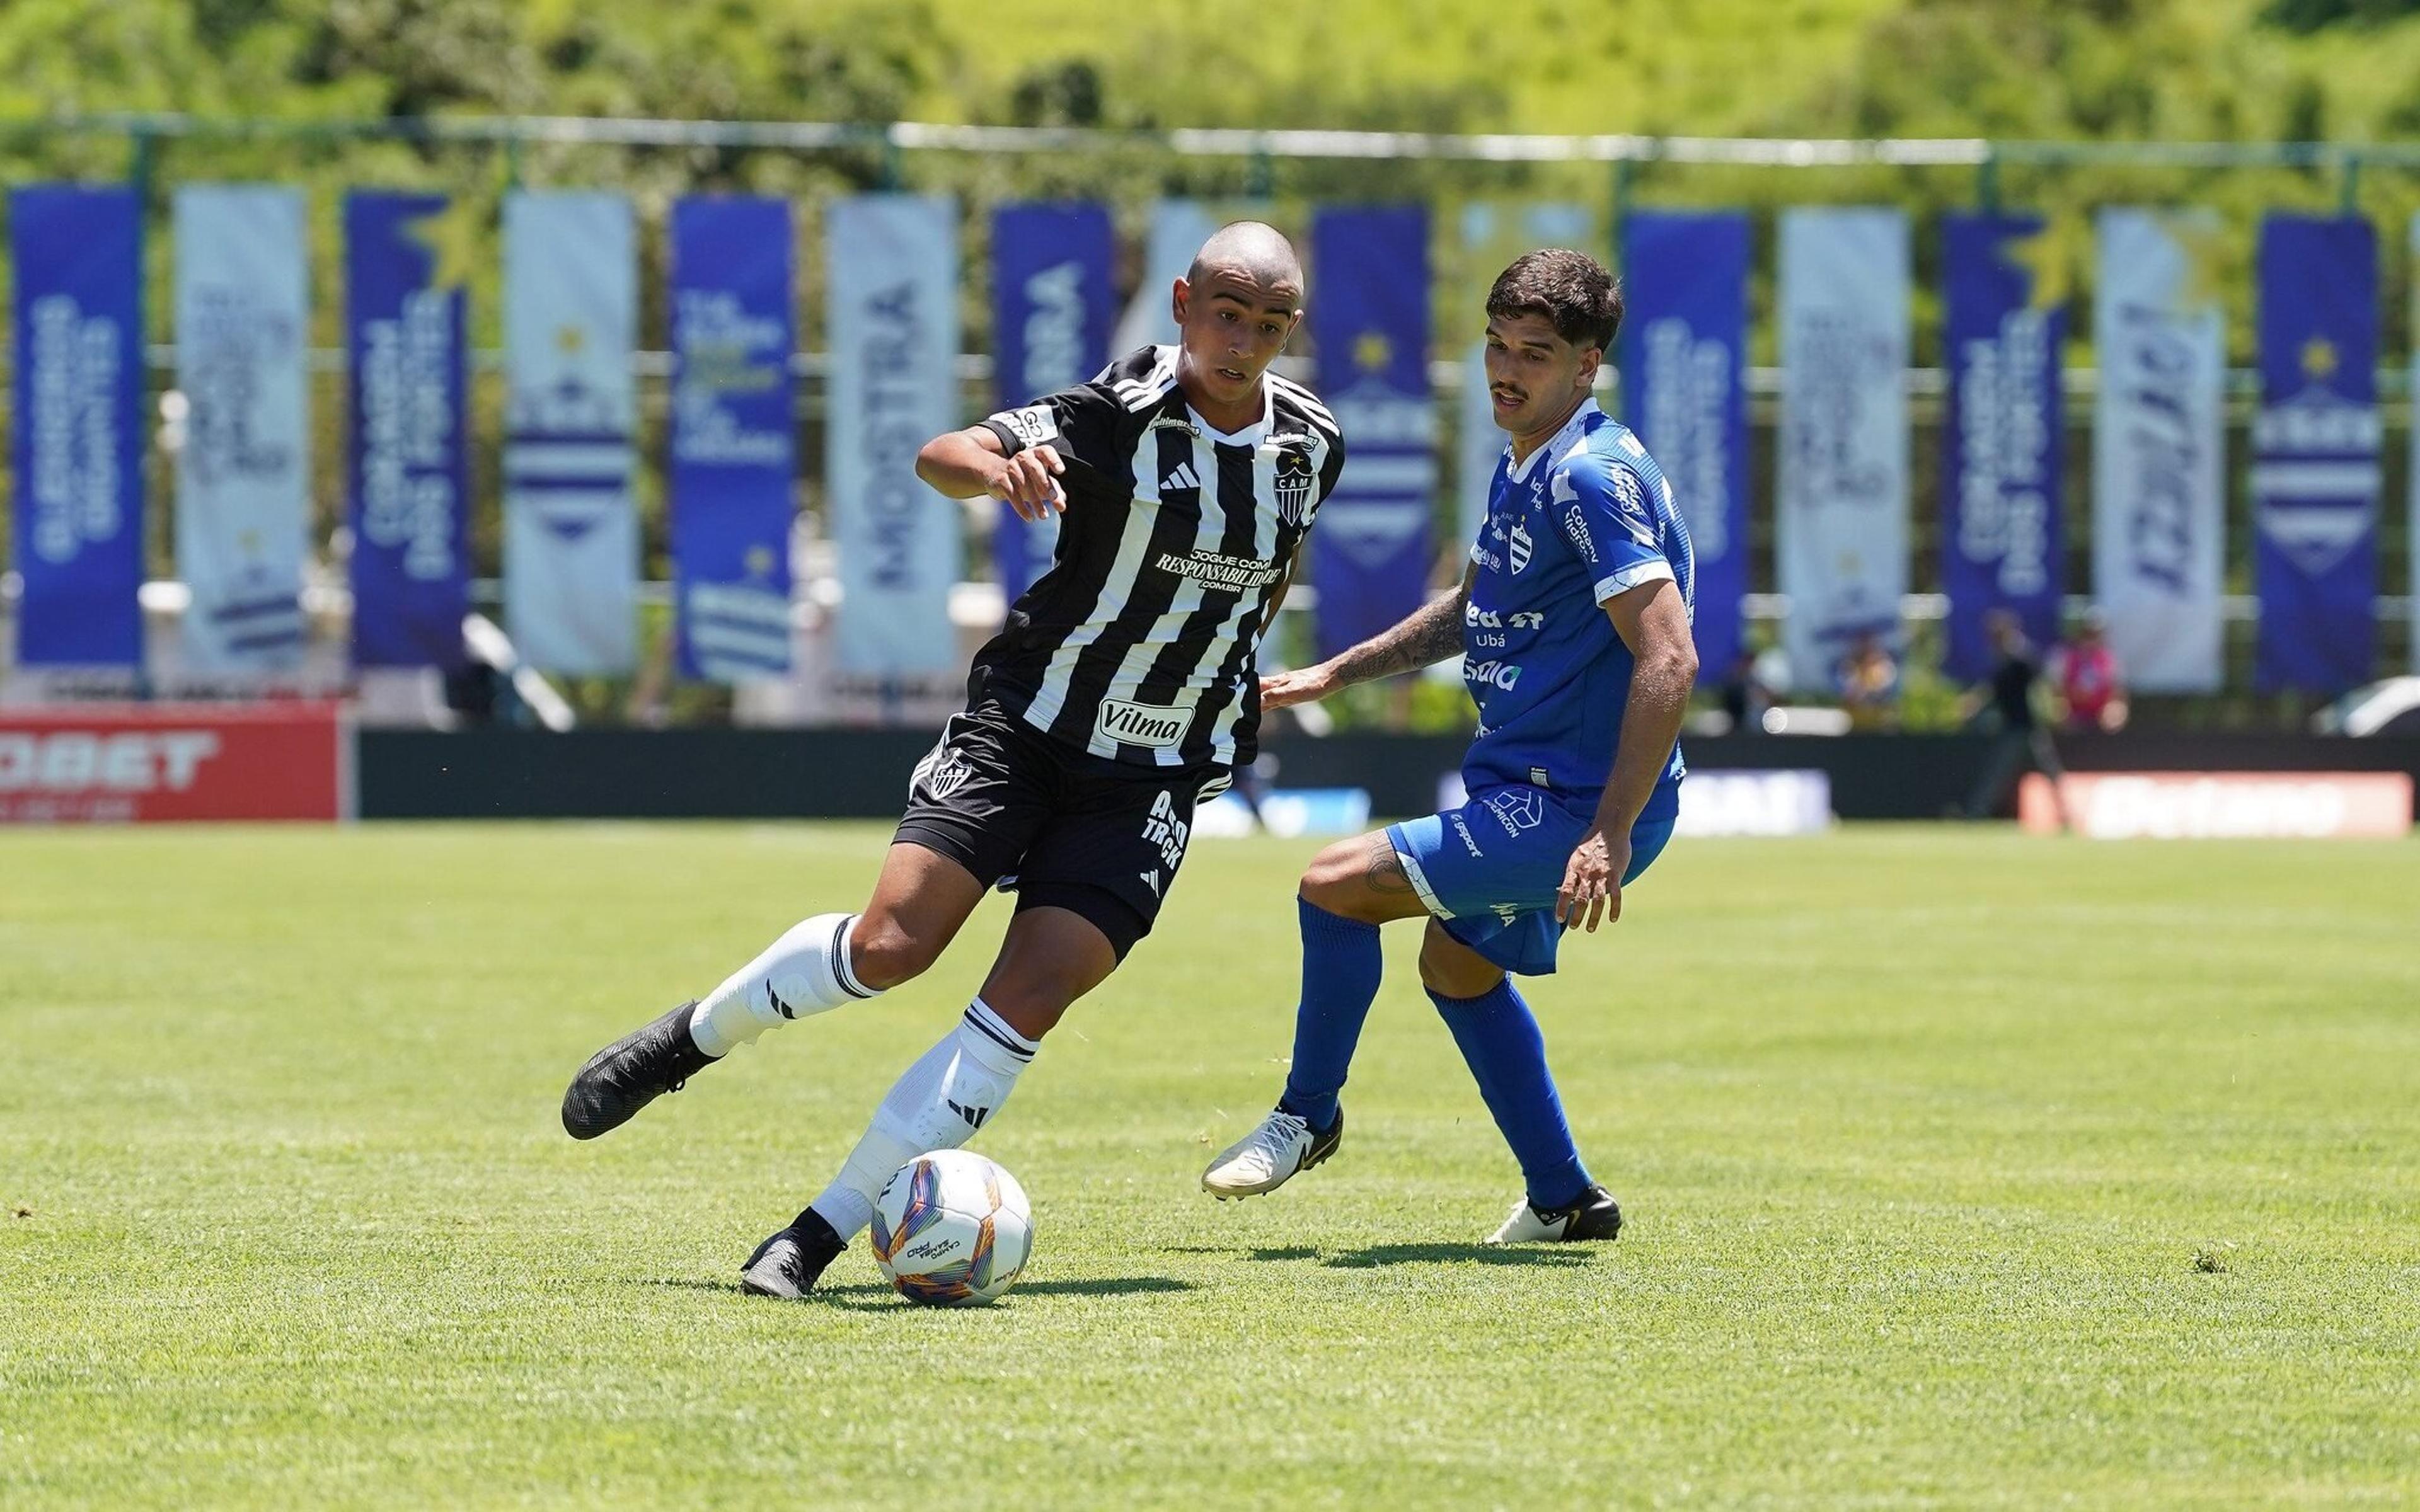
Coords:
pixel 1744 696
pixel 2020 737
pixel 2089 683
pixel 1868 679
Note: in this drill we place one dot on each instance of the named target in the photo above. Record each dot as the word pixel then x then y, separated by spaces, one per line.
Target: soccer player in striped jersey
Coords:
pixel 1573 623
pixel 1120 693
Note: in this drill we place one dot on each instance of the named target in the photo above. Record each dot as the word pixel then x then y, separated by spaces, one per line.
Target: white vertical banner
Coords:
pixel 894 332
pixel 1841 522
pixel 571 527
pixel 243 307
pixel 1492 236
pixel 2159 503
pixel 1178 228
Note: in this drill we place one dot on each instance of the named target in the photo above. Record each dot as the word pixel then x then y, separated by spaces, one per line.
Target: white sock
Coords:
pixel 951 1090
pixel 804 972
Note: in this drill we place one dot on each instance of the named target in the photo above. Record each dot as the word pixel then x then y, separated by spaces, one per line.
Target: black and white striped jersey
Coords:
pixel 1138 644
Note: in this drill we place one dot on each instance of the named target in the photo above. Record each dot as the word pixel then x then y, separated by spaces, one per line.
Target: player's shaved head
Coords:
pixel 1257 251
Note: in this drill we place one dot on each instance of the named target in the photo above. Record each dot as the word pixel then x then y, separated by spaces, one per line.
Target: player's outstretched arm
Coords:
pixel 1429 634
pixel 964 463
pixel 1653 621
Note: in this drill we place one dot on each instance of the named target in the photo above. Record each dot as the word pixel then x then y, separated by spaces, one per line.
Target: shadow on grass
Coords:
pixel 871 1296
pixel 1376 1255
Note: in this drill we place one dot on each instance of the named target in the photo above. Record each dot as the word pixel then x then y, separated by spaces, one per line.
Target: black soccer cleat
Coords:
pixel 1594 1215
pixel 632 1072
pixel 789 1263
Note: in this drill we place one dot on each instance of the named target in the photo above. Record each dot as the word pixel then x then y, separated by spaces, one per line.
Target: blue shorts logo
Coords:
pixel 1517 809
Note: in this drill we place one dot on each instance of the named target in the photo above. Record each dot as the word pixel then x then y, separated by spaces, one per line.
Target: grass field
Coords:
pixel 1961 1169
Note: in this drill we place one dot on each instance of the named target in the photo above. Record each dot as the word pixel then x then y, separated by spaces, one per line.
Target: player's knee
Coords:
pixel 1333 879
pixel 884 953
pixel 1451 969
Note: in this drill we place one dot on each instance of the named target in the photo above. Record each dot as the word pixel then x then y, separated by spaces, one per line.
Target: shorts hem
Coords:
pixel 1412 872
pixel 947 844
pixel 1122 922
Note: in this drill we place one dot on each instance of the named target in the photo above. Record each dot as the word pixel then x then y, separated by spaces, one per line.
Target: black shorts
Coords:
pixel 1054 825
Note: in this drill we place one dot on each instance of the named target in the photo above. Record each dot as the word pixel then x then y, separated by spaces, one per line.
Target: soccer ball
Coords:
pixel 951 1229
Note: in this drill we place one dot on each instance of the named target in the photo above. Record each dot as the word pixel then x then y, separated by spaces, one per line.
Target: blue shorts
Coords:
pixel 1489 871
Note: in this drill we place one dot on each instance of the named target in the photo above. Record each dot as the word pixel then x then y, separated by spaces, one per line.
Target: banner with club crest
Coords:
pixel 1371 553
pixel 1684 365
pixel 408 483
pixel 893 327
pixel 76 432
pixel 2158 460
pixel 244 483
pixel 2315 455
pixel 1841 524
pixel 571 526
pixel 2005 311
pixel 1492 236
pixel 733 450
pixel 1052 302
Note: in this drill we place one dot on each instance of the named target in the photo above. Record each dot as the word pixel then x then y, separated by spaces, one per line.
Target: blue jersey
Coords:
pixel 1581 519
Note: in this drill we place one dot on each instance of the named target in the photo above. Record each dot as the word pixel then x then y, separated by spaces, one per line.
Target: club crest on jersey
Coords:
pixel 1518 548
pixel 1296 478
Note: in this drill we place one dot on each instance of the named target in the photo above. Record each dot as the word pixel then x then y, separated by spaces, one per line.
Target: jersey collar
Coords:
pixel 1561 440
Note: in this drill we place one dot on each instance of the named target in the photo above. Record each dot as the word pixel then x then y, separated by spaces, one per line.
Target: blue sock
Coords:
pixel 1507 1053
pixel 1340 966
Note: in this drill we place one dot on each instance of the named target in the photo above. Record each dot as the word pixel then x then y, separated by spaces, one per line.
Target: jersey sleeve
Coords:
pixel 1602 506
pixel 1079 423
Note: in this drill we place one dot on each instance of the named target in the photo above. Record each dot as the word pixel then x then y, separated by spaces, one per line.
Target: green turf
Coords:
pixel 1963 1169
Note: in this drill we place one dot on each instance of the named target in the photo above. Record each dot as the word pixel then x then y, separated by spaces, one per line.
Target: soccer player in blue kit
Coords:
pixel 1573 621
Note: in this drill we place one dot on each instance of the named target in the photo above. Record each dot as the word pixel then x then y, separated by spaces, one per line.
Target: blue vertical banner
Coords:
pixel 77 441
pixel 1052 307
pixel 1684 370
pixel 1371 554
pixel 734 435
pixel 408 482
pixel 2315 465
pixel 2005 309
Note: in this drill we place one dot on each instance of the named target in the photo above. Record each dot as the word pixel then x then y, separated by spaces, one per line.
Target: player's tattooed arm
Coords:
pixel 1429 634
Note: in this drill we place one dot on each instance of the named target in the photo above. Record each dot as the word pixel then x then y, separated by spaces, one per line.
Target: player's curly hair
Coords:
pixel 1570 289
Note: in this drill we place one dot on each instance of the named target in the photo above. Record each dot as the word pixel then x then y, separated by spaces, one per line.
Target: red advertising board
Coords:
pixel 141 763
pixel 2223 804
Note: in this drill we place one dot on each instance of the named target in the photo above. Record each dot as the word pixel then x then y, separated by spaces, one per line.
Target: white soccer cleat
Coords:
pixel 1595 1215
pixel 1268 1157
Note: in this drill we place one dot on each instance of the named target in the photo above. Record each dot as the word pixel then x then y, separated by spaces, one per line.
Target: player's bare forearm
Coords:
pixel 1653 621
pixel 963 464
pixel 1428 635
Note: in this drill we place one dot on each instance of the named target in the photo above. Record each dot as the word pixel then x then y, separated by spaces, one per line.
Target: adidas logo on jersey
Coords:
pixel 1181 476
